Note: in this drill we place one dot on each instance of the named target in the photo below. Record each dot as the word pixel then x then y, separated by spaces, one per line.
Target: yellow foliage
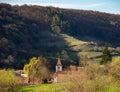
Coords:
pixel 36 68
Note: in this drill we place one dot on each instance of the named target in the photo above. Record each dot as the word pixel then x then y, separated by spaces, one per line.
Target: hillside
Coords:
pixel 27 31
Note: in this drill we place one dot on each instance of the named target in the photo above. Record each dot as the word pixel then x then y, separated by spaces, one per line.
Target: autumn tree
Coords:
pixel 106 57
pixel 38 67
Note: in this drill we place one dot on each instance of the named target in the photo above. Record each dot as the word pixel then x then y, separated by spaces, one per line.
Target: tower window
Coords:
pixel 59 67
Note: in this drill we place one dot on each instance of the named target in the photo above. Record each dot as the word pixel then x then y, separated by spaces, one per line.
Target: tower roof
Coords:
pixel 59 62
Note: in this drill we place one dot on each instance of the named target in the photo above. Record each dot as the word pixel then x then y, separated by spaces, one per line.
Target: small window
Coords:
pixel 59 67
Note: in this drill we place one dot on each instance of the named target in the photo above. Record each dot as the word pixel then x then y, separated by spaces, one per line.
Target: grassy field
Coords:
pixel 72 41
pixel 56 87
pixel 82 48
pixel 90 54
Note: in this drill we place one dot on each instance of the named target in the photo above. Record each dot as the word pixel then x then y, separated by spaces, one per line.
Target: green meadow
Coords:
pixel 56 87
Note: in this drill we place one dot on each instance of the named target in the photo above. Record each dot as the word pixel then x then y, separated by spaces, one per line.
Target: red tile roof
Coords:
pixel 60 72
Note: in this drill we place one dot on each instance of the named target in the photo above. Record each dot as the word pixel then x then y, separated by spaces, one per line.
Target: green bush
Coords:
pixel 8 81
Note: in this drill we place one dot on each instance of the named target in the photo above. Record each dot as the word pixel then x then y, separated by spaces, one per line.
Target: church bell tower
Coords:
pixel 58 65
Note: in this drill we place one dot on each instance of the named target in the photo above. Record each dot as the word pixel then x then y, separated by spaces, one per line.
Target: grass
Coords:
pixel 82 48
pixel 112 88
pixel 90 54
pixel 72 41
pixel 56 87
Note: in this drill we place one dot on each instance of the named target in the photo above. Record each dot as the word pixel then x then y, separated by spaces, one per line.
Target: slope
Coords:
pixel 27 31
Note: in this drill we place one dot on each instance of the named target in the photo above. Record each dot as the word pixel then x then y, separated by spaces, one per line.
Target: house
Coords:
pixel 20 73
pixel 21 76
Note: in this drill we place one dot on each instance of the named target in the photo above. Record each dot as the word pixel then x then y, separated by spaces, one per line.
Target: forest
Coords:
pixel 31 30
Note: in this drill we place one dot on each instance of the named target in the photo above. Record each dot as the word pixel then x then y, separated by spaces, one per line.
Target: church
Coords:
pixel 59 74
pixel 58 65
pixel 63 75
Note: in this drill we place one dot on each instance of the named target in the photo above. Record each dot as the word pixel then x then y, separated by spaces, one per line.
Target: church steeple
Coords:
pixel 58 62
pixel 58 65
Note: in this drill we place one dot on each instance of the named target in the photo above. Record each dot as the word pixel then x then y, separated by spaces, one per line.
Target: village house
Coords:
pixel 21 76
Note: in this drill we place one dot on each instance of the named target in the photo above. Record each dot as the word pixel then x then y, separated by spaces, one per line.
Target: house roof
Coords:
pixel 60 72
pixel 18 72
pixel 59 62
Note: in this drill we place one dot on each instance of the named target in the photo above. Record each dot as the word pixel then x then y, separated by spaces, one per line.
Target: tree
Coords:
pixel 55 26
pixel 106 57
pixel 37 68
pixel 65 25
pixel 83 60
pixel 58 24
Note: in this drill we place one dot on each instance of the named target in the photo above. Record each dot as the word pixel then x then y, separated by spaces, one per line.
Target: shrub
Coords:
pixel 8 81
pixel 115 68
pixel 94 79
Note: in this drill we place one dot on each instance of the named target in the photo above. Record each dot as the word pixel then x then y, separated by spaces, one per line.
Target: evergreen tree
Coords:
pixel 106 57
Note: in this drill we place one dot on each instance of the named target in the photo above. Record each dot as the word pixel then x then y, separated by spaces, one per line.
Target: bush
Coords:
pixel 94 79
pixel 115 68
pixel 8 81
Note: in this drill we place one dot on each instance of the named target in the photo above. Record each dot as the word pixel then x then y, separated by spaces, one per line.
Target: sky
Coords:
pixel 109 6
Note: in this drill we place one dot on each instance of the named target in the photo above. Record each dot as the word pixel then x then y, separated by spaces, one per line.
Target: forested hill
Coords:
pixel 27 31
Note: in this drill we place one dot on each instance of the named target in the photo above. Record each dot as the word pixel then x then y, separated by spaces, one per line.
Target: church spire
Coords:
pixel 58 65
pixel 59 62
